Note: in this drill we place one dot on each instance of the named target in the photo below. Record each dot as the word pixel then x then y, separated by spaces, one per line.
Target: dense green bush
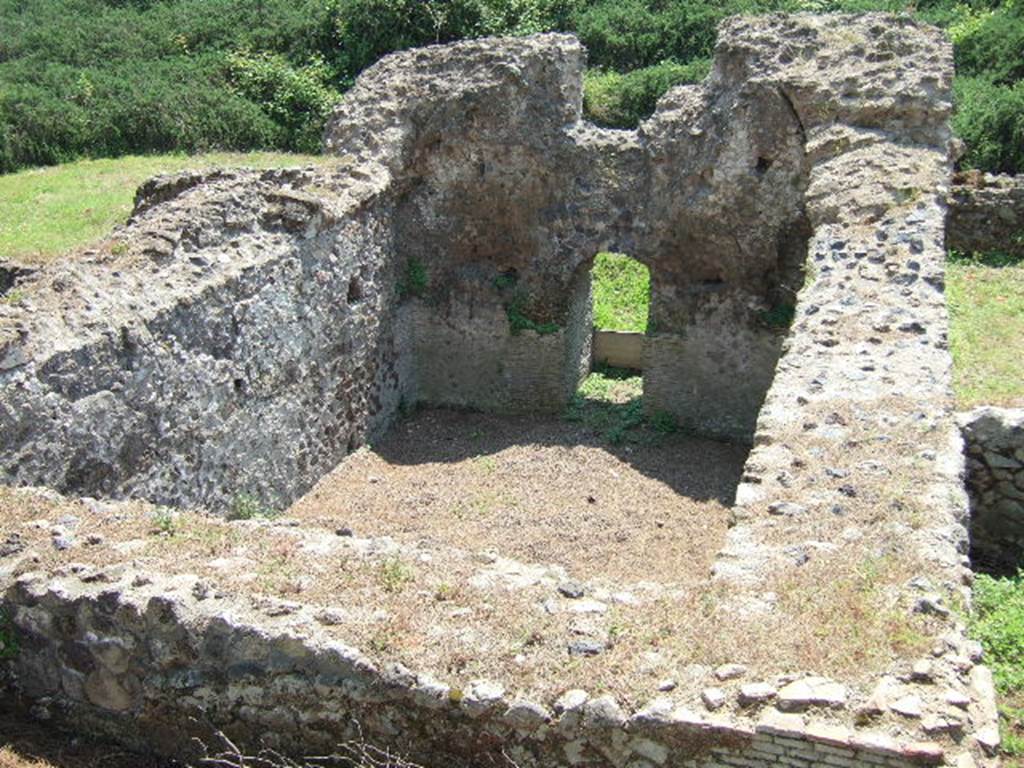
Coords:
pixel 368 29
pixel 105 77
pixel 54 113
pixel 990 119
pixel 623 100
pixel 297 99
pixel 623 35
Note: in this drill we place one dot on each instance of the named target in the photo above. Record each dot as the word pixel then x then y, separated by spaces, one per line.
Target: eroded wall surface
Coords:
pixel 244 330
pixel 504 197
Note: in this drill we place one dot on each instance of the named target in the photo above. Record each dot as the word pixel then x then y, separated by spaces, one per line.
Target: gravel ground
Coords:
pixel 540 490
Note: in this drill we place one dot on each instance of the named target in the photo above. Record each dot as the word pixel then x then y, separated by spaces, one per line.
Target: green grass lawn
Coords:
pixel 986 304
pixel 47 211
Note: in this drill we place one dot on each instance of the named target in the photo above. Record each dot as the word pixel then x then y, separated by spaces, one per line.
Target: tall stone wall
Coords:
pixel 240 340
pixel 994 442
pixel 505 196
pixel 244 330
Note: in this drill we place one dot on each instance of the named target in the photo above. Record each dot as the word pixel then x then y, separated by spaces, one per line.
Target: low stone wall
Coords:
pixel 162 663
pixel 994 442
pixel 620 349
pixel 986 213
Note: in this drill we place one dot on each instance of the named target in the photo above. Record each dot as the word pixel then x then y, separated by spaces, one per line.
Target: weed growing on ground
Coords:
pixel 395 575
pixel 609 401
pixel 245 506
pixel 664 422
pixel 166 522
pixel 12 297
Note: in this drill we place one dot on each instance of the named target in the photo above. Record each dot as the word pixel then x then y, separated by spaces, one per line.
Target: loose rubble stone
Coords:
pixel 586 647
pixel 908 706
pixel 571 589
pixel 730 671
pixel 811 692
pixel 786 508
pixel 12 545
pixel 713 698
pixel 755 693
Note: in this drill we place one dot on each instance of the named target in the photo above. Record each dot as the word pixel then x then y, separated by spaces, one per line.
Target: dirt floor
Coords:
pixel 541 490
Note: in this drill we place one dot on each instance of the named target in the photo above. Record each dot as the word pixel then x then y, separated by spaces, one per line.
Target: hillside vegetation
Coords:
pixel 103 78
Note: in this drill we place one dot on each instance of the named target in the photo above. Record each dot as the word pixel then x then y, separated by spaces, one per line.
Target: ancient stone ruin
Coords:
pixel 246 331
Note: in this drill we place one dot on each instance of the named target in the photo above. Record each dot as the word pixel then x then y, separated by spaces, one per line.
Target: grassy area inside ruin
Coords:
pixel 622 293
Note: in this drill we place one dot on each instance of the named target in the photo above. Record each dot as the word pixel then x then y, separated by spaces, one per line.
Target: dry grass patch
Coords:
pixel 448 614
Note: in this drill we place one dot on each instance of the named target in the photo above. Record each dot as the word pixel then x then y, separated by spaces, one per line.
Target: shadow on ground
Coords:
pixel 29 743
pixel 694 467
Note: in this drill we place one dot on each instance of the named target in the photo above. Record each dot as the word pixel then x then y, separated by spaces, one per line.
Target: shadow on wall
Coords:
pixel 693 467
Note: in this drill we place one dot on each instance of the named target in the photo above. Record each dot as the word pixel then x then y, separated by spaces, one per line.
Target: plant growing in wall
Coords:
pixel 519 320
pixel 8 639
pixel 777 317
pixel 413 280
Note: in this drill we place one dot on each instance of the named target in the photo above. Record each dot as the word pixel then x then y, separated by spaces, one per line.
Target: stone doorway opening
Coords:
pixel 609 392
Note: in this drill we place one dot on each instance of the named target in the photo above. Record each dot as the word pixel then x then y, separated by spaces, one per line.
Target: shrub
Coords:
pixel 624 35
pixel 989 42
pixel 622 101
pixel 990 119
pixel 298 99
pixel 110 77
pixel 520 318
